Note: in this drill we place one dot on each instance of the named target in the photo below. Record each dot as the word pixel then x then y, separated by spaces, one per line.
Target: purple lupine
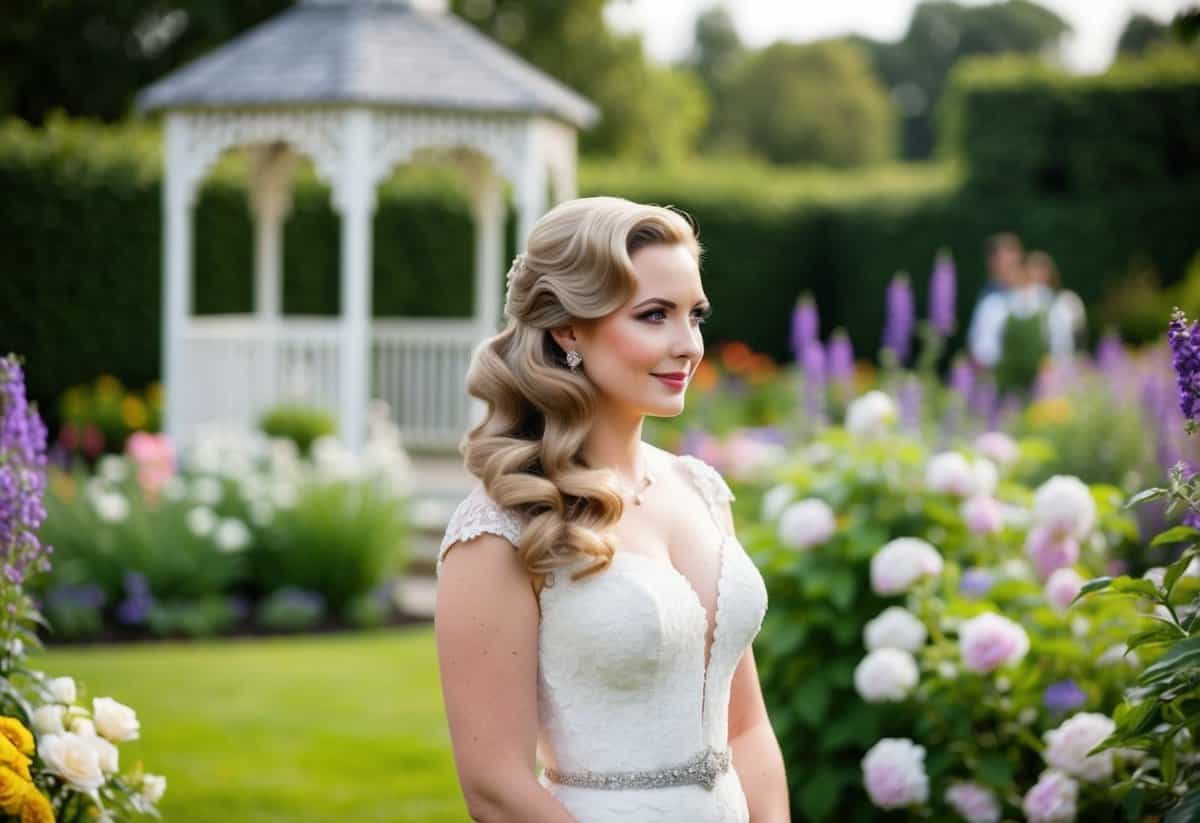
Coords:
pixel 1110 353
pixel 840 357
pixel 983 400
pixel 942 294
pixel 814 381
pixel 898 328
pixel 962 377
pixel 908 398
pixel 805 325
pixel 134 610
pixel 1185 358
pixel 22 478
pixel 1063 696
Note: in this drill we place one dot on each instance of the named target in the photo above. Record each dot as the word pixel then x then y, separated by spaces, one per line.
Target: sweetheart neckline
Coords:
pixel 706 649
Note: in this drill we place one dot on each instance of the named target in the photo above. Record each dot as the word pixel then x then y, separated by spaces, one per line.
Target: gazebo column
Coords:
pixel 356 203
pixel 489 251
pixel 270 202
pixel 531 187
pixel 177 200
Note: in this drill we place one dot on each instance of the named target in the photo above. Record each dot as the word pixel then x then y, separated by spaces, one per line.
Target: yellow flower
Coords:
pixel 11 757
pixel 106 384
pixel 37 808
pixel 1049 412
pixel 133 412
pixel 12 791
pixel 17 734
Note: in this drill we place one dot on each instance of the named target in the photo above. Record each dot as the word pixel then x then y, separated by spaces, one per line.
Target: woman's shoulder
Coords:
pixel 476 514
pixel 705 476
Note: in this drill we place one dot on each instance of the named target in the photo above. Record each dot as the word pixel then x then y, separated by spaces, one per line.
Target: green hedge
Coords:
pixel 80 277
pixel 1022 128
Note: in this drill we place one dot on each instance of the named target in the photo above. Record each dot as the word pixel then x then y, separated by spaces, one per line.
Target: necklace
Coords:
pixel 637 494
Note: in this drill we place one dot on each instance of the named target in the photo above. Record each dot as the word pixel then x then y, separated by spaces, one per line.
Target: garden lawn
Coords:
pixel 325 728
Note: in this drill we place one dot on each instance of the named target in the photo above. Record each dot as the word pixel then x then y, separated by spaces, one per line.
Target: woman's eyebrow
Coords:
pixel 670 304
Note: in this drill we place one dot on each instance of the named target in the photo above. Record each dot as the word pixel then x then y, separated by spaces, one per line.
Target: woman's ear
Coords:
pixel 564 336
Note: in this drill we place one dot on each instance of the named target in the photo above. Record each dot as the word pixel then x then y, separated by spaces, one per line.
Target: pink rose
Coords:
pixel 1050 550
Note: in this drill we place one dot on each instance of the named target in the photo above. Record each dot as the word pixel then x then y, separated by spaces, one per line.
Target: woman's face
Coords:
pixel 656 332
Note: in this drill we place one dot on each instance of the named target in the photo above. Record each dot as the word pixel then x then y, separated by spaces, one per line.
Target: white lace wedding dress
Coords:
pixel 622 685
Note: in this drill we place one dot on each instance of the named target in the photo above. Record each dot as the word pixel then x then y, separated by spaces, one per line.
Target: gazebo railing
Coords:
pixel 238 366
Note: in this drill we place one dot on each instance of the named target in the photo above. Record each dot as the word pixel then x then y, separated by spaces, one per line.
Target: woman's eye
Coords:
pixel 700 314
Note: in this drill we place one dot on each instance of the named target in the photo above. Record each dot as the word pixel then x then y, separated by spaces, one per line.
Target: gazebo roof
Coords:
pixel 368 52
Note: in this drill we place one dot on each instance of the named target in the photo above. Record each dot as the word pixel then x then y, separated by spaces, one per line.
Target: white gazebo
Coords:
pixel 357 86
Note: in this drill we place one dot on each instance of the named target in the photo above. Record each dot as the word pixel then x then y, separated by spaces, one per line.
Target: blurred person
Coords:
pixel 577 581
pixel 1006 271
pixel 1066 316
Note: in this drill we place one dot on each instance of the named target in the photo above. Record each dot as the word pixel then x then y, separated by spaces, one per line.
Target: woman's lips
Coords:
pixel 676 380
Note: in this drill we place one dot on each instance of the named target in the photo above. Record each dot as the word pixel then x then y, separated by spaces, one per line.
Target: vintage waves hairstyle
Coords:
pixel 527 449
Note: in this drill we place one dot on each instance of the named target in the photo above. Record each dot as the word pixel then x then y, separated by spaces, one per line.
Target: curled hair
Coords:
pixel 527 450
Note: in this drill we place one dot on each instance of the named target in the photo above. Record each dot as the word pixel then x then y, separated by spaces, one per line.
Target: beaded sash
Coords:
pixel 703 769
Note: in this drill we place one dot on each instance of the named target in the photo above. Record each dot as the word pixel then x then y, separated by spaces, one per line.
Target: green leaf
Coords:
pixel 1134 585
pixel 1182 654
pixel 819 794
pixel 1093 585
pixel 1175 571
pixel 1159 634
pixel 1176 534
pixel 995 770
pixel 1146 494
pixel 1167 762
pixel 1187 810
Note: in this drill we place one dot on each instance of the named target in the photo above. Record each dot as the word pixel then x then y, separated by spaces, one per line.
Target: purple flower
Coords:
pixel 840 357
pixel 1110 352
pixel 908 398
pixel 1192 519
pixel 897 333
pixel 805 325
pixel 814 380
pixel 975 582
pixel 134 610
pixel 941 294
pixel 1063 696
pixel 22 477
pixel 1185 358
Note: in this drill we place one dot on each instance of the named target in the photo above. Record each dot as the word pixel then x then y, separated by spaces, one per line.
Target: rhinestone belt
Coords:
pixel 703 769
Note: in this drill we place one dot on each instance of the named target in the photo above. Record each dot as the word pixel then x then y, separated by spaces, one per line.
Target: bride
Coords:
pixel 595 609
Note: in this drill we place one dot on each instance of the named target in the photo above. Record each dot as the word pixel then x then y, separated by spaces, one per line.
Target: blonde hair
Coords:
pixel 527 449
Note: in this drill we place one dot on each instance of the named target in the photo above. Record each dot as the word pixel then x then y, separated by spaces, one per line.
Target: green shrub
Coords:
pixel 291 609
pixel 300 424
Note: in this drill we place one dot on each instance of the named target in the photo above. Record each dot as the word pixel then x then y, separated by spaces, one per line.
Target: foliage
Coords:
pixel 940 34
pixel 778 107
pixel 300 424
pixel 1022 127
pixel 291 609
pixel 824 594
pixel 1022 347
pixel 100 417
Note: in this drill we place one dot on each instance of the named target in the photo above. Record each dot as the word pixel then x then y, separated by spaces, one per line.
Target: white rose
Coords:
pixel 112 507
pixel 1062 587
pixel 895 628
pixel 83 727
pixel 1068 745
pixel 949 473
pixel 1065 504
pixel 106 753
pixel 232 535
pixel 885 675
pixel 112 468
pixel 998 447
pixel 206 490
pixel 201 521
pixel 976 803
pixel 871 415
pixel 806 524
pixel 73 758
pixel 990 641
pixel 114 720
pixel 901 562
pixel 153 787
pixel 1052 799
pixel 63 689
pixel 894 773
pixel 47 719
pixel 775 499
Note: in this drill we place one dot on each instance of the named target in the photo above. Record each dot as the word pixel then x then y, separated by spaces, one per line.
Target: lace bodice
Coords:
pixel 622 682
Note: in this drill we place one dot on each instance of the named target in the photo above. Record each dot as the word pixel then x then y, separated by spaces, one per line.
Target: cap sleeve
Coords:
pixel 476 514
pixel 710 482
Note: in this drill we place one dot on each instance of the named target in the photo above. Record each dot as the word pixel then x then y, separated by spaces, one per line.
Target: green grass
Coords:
pixel 337 727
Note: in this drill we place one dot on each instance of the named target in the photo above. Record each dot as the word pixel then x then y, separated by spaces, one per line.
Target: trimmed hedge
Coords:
pixel 80 282
pixel 1022 128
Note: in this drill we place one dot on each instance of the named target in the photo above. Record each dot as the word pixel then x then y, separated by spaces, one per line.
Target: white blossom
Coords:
pixel 1065 504
pixel 895 628
pixel 894 773
pixel 806 523
pixel 886 675
pixel 871 415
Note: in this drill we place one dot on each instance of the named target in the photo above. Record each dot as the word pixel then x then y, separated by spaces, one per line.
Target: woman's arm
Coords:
pixel 486 630
pixel 757 757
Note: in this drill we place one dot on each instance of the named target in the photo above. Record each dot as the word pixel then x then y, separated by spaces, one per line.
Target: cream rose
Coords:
pixel 114 720
pixel 73 758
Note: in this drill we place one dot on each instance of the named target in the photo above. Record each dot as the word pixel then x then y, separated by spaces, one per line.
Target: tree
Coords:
pixel 572 41
pixel 1140 33
pixel 716 52
pixel 816 103
pixel 90 57
pixel 941 33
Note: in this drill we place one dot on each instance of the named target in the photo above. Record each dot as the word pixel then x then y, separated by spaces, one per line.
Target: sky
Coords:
pixel 666 25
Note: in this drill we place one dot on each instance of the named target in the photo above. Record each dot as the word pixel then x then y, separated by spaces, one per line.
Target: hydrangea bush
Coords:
pixel 921 652
pixel 59 759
